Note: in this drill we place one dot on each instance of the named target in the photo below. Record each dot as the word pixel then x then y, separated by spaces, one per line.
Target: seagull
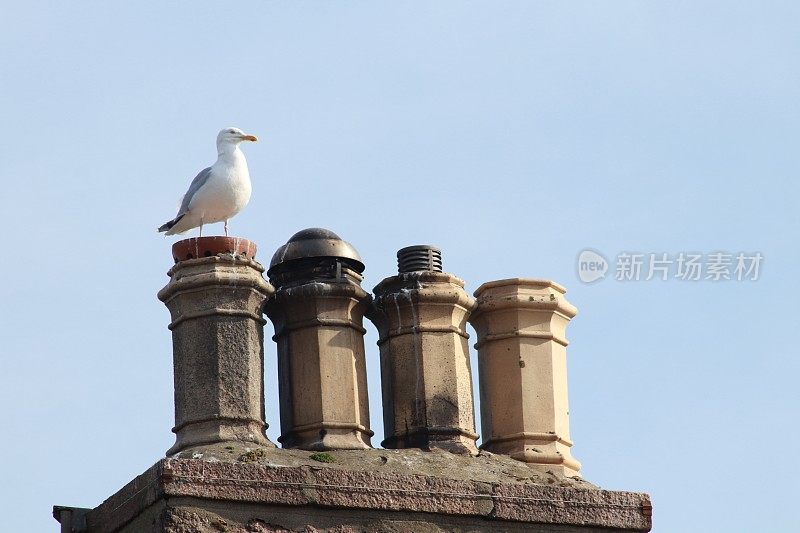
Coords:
pixel 218 192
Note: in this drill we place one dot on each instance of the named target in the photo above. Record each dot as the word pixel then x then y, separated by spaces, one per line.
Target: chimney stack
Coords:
pixel 230 477
pixel 421 316
pixel 522 363
pixel 215 296
pixel 317 310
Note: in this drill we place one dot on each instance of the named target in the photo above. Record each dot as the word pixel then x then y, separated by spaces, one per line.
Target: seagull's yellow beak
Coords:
pixel 249 138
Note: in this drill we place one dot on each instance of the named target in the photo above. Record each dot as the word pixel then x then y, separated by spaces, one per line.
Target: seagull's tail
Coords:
pixel 169 225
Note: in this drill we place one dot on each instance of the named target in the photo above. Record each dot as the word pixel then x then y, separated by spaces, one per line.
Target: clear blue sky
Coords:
pixel 511 134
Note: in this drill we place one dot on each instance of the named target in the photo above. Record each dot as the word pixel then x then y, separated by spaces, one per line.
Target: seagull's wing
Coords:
pixel 195 186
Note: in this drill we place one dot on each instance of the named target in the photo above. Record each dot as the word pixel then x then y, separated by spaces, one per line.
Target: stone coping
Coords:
pixel 253 476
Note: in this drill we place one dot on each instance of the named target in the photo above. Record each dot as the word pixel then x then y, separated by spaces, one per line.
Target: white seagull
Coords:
pixel 218 192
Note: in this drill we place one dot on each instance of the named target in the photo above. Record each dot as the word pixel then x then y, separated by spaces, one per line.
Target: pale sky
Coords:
pixel 513 135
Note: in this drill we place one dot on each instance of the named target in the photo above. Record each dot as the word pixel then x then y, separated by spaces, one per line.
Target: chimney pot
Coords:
pixel 317 310
pixel 421 315
pixel 215 296
pixel 522 364
pixel 195 248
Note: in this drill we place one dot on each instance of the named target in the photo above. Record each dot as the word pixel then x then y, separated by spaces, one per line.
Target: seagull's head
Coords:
pixel 233 136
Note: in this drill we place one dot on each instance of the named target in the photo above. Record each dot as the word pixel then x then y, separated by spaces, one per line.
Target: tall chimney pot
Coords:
pixel 522 363
pixel 215 297
pixel 421 315
pixel 317 310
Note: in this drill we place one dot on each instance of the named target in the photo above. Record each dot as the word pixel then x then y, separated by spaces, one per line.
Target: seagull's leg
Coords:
pixel 201 228
pixel 226 228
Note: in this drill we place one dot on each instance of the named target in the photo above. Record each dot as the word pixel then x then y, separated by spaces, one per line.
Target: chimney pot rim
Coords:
pixel 198 247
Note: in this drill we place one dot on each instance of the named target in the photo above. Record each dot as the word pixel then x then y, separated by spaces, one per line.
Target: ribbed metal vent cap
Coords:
pixel 423 257
pixel 317 243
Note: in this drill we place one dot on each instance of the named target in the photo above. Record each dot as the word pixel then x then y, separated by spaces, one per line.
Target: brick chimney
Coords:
pixel 215 296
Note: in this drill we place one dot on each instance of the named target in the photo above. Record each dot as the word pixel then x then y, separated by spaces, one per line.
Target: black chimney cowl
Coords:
pixel 314 246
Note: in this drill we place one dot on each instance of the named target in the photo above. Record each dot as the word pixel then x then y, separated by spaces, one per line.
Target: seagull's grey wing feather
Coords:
pixel 197 182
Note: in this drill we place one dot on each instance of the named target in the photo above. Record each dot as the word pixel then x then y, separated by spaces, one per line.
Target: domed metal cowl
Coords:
pixel 314 249
pixel 318 313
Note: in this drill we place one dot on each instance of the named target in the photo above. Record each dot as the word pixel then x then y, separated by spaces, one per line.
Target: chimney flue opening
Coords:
pixel 418 258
